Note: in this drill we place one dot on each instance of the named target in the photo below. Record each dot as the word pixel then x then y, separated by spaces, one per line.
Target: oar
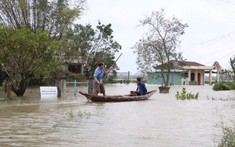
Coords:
pixel 104 77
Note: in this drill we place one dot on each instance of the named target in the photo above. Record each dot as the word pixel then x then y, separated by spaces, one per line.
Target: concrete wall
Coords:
pixel 155 78
pixel 190 77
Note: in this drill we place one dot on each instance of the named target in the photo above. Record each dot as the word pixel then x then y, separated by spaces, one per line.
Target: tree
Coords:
pixel 31 31
pixel 25 54
pixel 52 16
pixel 93 45
pixel 232 63
pixel 226 75
pixel 157 48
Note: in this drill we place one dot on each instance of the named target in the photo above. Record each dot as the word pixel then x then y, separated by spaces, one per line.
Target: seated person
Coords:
pixel 141 88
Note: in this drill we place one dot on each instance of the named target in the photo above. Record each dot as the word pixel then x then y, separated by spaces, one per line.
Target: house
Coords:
pixel 188 73
pixel 74 65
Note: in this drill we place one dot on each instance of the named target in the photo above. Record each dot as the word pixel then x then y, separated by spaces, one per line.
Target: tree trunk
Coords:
pixel 20 90
pixel 234 75
pixel 8 89
pixel 3 76
pixel 167 78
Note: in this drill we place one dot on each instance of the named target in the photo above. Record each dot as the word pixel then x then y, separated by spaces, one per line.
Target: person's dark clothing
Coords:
pixel 141 89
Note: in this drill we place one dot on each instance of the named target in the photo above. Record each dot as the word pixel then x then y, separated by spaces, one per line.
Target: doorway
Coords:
pixel 199 78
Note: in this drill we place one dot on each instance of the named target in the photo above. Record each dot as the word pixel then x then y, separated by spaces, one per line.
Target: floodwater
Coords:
pixel 160 121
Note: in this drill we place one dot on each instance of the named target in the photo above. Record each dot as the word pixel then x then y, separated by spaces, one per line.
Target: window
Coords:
pixel 74 68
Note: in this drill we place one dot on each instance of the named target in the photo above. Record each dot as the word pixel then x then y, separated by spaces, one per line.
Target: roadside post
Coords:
pixel 61 86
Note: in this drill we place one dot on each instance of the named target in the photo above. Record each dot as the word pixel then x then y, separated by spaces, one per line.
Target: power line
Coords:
pixel 228 2
pixel 219 59
pixel 206 42
pixel 212 54
pixel 224 36
pixel 209 41
pixel 227 55
pixel 218 38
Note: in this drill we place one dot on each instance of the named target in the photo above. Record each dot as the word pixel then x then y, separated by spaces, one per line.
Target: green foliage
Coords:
pixel 25 51
pixel 184 95
pixel 26 54
pixel 70 115
pixel 231 84
pixel 93 45
pixel 221 86
pixel 228 139
pixel 51 16
pixel 41 37
pixel 83 114
pixel 30 37
pixel 232 63
pixel 80 114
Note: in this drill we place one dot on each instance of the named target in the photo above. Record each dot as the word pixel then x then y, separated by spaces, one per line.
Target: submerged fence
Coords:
pixel 73 86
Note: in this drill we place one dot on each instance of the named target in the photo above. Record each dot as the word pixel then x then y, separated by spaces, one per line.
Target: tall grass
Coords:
pixel 228 139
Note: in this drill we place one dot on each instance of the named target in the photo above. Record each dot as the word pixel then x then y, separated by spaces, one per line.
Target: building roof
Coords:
pixel 191 63
pixel 195 65
pixel 188 65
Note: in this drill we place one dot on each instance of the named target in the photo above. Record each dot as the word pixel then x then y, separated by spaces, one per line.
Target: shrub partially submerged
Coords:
pixel 221 86
pixel 71 115
pixel 228 139
pixel 184 95
pixel 231 85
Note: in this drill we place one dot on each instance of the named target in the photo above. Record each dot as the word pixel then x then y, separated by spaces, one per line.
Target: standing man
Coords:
pixel 99 75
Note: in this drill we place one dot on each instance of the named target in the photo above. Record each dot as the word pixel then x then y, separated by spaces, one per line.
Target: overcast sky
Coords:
pixel 210 36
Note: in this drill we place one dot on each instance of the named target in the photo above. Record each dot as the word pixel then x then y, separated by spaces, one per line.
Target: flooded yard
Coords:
pixel 160 121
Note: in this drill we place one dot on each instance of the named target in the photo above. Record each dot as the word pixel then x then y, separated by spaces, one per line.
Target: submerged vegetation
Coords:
pixel 224 86
pixel 184 95
pixel 228 139
pixel 80 114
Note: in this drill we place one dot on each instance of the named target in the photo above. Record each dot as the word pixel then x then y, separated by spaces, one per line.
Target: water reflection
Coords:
pixel 160 121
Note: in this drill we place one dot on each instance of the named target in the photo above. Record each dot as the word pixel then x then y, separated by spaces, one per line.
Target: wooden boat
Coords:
pixel 117 98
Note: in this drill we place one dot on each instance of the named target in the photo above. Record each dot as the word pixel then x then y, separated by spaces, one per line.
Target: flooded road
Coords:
pixel 160 121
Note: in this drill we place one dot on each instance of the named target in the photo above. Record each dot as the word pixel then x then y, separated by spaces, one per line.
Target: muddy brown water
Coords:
pixel 160 121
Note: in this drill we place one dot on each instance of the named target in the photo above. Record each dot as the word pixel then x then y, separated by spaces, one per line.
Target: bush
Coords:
pixel 184 95
pixel 221 86
pixel 231 85
pixel 228 139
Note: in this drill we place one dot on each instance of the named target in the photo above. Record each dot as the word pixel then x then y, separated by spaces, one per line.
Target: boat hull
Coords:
pixel 117 98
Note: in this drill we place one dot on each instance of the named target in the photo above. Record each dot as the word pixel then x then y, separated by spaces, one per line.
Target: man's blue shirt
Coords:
pixel 99 73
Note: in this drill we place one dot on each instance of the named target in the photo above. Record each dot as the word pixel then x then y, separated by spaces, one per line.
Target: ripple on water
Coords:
pixel 160 121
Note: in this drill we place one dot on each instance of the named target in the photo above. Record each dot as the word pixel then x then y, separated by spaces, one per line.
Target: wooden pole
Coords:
pixel 128 78
pixel 8 89
pixel 61 85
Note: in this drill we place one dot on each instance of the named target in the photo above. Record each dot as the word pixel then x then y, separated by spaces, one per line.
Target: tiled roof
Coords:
pixel 191 63
pixel 186 65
